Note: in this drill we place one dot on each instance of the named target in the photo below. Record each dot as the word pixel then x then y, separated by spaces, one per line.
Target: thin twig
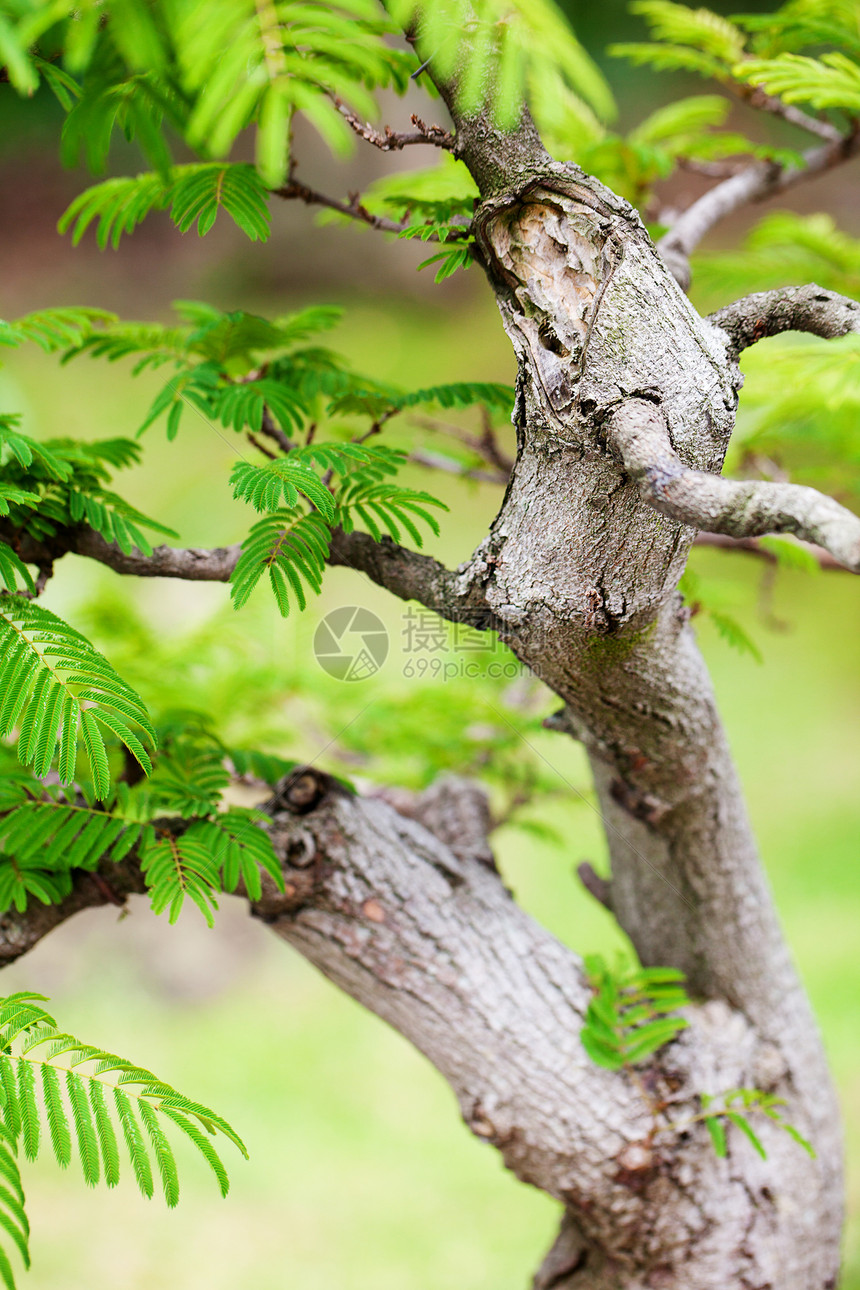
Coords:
pixel 751 546
pixel 274 432
pixel 638 434
pixel 252 439
pixel 436 462
pixel 754 183
pixel 293 190
pixel 756 97
pixel 486 444
pixel 388 140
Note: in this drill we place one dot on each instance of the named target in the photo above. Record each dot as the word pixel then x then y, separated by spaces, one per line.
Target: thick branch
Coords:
pixel 428 938
pixel 194 564
pixel 452 593
pixel 497 159
pixel 406 574
pixel 110 885
pixel 639 433
pixel 769 313
pixel 752 184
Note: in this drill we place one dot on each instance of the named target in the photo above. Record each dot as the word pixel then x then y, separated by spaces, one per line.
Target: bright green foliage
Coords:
pixel 46 836
pixel 627 1022
pixel 802 23
pixel 55 1088
pixel 514 45
pixel 292 548
pixel 736 1105
pixel 700 29
pixel 450 259
pixel 265 61
pixel 176 867
pixel 11 568
pixel 42 842
pixel 152 67
pixel 193 194
pixel 59 692
pixel 190 775
pixel 707 602
pixel 64 480
pixel 214 353
pixel 439 194
pixel 292 476
pixel 832 81
pixel 799 407
pixel 700 41
pixel 53 329
pixel 628 1017
pixel 782 250
pixel 240 848
pixel 153 71
pixel 381 505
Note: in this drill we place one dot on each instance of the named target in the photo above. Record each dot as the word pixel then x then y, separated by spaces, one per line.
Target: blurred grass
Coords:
pixel 361 1174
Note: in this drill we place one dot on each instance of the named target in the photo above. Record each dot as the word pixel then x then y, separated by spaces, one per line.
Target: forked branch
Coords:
pixel 388 140
pixel 639 434
pixel 754 183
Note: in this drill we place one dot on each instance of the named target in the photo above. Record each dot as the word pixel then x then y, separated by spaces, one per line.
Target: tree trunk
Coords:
pixel 579 576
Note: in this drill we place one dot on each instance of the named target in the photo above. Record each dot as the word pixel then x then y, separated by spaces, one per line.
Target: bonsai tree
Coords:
pixel 679 1107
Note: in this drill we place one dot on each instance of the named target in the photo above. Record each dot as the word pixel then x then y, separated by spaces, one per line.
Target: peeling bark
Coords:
pixel 579 575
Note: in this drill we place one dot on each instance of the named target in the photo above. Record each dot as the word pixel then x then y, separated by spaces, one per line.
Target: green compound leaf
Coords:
pixel 91 1100
pixel 58 689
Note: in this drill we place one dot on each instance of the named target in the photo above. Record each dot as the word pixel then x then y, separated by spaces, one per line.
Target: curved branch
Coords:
pixel 756 97
pixel 752 184
pixel 455 595
pixel 768 313
pixel 639 434
pixel 194 564
pixel 111 884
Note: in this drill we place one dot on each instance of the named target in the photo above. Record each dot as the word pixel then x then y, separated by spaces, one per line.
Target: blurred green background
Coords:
pixel 361 1174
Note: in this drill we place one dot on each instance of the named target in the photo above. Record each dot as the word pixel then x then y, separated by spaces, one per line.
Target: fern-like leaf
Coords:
pixel 264 486
pixel 13 1216
pixel 180 867
pixel 56 837
pixel 831 81
pixel 700 29
pixel 54 329
pixel 292 549
pixel 11 568
pixel 53 682
pixel 194 194
pixel 240 848
pixel 386 507
pixel 50 1077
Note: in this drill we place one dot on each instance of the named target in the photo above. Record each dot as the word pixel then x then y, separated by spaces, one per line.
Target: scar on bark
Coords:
pixel 303 790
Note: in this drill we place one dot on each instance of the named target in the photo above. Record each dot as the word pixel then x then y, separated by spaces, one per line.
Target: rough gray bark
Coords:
pixel 429 938
pixel 579 575
pixel 639 432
